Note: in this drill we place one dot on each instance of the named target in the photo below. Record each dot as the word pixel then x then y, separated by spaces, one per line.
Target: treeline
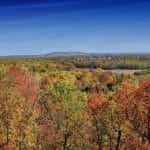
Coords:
pixel 111 62
pixel 82 62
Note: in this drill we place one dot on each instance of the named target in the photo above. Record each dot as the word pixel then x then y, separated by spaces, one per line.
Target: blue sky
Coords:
pixel 44 26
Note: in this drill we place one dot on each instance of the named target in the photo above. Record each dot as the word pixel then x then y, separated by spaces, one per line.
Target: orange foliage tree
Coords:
pixel 140 113
pixel 97 107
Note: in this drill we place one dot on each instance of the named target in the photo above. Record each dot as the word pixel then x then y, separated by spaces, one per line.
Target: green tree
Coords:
pixel 72 106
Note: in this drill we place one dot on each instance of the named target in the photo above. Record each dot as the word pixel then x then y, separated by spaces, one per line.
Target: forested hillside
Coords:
pixel 73 103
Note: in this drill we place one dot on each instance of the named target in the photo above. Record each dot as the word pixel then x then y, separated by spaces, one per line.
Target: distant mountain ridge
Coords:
pixel 65 54
pixel 52 54
pixel 75 53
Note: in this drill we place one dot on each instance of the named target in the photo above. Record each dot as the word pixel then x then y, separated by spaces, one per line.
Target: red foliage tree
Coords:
pixel 25 83
pixel 124 97
pixel 142 110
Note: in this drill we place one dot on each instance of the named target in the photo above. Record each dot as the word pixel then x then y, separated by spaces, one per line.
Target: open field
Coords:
pixel 124 71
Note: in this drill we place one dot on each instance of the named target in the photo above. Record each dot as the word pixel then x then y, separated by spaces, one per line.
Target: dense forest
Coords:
pixel 75 103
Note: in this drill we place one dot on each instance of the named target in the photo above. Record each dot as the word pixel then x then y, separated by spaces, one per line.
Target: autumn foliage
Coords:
pixel 25 83
pixel 96 102
pixel 46 105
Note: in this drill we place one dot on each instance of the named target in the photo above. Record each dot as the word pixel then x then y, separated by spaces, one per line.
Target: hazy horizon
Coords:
pixel 75 52
pixel 30 27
